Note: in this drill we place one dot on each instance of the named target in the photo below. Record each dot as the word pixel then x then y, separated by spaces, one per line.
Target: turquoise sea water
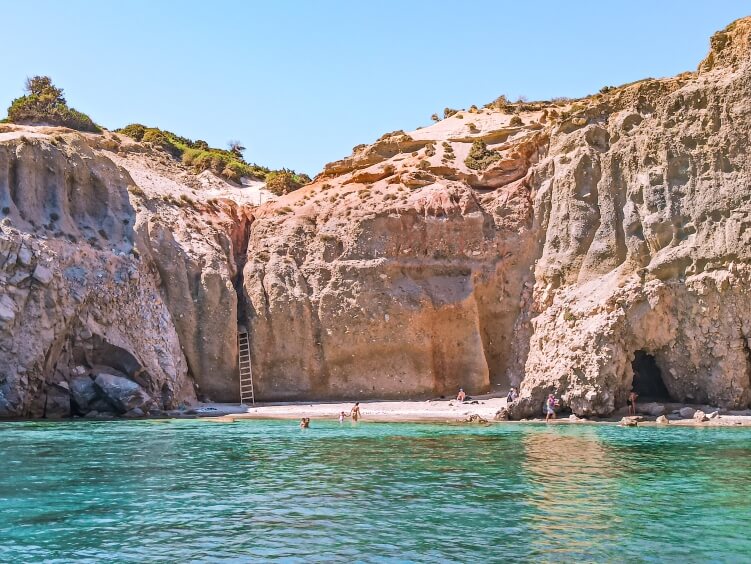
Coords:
pixel 174 491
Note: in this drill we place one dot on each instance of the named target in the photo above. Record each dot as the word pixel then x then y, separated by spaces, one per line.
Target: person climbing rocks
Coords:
pixel 550 404
pixel 631 402
pixel 354 413
pixel 461 395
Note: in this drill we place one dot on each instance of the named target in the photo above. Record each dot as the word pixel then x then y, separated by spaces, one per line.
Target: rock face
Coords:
pixel 582 247
pixel 73 296
pixel 599 229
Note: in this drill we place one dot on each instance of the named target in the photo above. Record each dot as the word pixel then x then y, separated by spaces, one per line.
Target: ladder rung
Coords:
pixel 244 368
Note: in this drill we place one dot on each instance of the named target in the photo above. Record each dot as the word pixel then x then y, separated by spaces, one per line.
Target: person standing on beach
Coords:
pixel 550 408
pixel 512 395
pixel 461 395
pixel 354 413
pixel 631 402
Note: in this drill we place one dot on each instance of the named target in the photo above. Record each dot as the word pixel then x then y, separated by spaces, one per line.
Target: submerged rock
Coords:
pixel 475 418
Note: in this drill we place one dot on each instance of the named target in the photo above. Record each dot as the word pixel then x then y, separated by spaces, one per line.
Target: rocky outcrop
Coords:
pixel 583 234
pixel 74 296
pixel 581 248
pixel 195 261
pixel 645 212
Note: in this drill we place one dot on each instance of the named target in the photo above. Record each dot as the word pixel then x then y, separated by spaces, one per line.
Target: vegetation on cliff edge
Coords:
pixel 228 164
pixel 44 103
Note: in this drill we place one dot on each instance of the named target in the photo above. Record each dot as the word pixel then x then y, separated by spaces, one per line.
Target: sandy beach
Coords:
pixel 436 411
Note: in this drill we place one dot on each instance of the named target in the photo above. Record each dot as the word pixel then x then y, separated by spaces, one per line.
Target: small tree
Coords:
pixel 44 103
pixel 236 148
pixel 500 103
pixel 42 87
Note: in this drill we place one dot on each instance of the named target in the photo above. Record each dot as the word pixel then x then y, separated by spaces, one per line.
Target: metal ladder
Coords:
pixel 246 374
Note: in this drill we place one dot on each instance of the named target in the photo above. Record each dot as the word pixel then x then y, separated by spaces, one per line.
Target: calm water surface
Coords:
pixel 173 491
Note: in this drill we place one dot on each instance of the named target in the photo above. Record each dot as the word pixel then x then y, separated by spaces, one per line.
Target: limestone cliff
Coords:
pixel 580 233
pixel 545 244
pixel 106 275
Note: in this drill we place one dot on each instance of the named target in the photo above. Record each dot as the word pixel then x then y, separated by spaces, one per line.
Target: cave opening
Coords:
pixel 648 382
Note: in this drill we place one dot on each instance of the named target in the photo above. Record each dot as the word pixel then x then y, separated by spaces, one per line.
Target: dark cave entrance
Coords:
pixel 648 382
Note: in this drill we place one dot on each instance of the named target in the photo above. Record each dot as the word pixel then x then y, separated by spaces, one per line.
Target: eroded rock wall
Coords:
pixel 582 232
pixel 74 300
pixel 646 210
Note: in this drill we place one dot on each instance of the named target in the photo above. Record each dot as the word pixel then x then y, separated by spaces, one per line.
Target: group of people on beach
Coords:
pixel 551 403
pixel 354 413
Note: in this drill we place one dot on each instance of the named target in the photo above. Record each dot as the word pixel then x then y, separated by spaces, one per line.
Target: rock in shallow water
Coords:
pixel 124 394
pixel 82 392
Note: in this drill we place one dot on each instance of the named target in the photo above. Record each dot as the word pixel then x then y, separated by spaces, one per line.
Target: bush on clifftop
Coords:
pixel 280 182
pixel 44 103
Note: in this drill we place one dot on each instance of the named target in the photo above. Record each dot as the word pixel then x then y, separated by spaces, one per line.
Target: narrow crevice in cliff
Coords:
pixel 747 353
pixel 241 258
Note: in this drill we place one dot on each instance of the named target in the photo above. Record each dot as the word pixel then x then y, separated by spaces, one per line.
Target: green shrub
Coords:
pixel 280 182
pixel 159 138
pixel 134 131
pixel 448 112
pixel 480 157
pixel 199 156
pixel 45 104
pixel 500 103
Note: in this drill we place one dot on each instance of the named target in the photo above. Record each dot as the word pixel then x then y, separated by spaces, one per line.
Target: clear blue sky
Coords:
pixel 302 82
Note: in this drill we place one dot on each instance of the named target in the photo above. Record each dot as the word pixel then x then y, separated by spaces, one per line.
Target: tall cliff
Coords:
pixel 578 235
pixel 110 273
pixel 551 245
